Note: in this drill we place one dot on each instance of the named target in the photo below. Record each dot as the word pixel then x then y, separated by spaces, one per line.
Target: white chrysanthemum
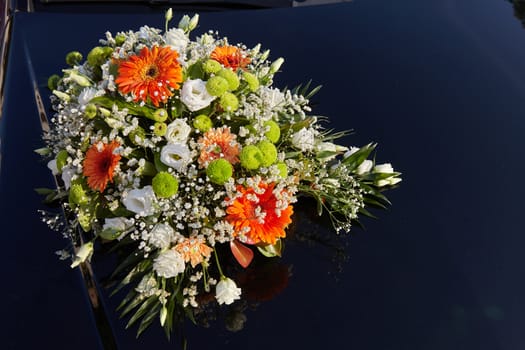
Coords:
pixel 140 201
pixel 161 235
pixel 226 291
pixel 176 155
pixel 169 264
pixel 87 94
pixel 177 131
pixel 304 139
pixel 194 95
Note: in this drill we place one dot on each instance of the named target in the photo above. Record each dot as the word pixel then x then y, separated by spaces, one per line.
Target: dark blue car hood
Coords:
pixel 440 86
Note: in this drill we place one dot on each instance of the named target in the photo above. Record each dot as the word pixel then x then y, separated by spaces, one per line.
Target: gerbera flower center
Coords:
pixel 152 72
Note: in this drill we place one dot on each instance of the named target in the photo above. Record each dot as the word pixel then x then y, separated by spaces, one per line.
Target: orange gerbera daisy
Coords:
pixel 193 250
pixel 230 56
pixel 100 164
pixel 259 213
pixel 218 143
pixel 151 74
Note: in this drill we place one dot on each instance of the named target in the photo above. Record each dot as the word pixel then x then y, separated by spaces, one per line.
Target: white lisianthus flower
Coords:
pixel 226 291
pixel 388 182
pixel 304 139
pixel 194 95
pixel 175 155
pixel 364 167
pixel 177 131
pixel 177 40
pixel 351 151
pixel 161 235
pixel 83 254
pixel 169 264
pixel 52 165
pixel 140 201
pixel 67 176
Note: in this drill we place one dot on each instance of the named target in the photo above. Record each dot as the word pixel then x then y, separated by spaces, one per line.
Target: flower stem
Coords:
pixel 218 264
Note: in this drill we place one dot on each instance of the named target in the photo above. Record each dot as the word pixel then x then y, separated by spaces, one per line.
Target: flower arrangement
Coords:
pixel 176 148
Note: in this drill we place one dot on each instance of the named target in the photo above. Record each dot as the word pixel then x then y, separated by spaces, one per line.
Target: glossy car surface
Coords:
pixel 440 85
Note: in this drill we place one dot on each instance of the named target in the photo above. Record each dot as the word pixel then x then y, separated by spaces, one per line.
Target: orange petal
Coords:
pixel 242 253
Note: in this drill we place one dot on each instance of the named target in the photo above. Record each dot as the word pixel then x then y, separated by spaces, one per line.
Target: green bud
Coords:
pixel 160 115
pixel 229 102
pixel 165 185
pixel 269 153
pixel 77 195
pixel 61 95
pixel 231 78
pixel 137 135
pixel 274 132
pixel 120 39
pixel 73 58
pixel 219 171
pixel 95 57
pixel 264 55
pixel 251 79
pixel 52 82
pixel 79 78
pixel 61 159
pixel 283 169
pixel 91 111
pixel 211 66
pixel 193 22
pixel 251 157
pixel 105 112
pixel 160 129
pixel 217 86
pixel 169 15
pixel 202 123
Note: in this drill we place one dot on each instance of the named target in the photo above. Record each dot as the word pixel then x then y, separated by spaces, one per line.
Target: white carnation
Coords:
pixel 161 235
pixel 169 264
pixel 304 139
pixel 194 95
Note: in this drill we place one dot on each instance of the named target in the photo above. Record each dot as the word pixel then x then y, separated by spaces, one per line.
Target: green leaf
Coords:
pixel 133 108
pixel 271 250
pixel 132 293
pixel 44 191
pixel 132 259
pixel 326 154
pixel 142 310
pixel 148 318
pixel 354 160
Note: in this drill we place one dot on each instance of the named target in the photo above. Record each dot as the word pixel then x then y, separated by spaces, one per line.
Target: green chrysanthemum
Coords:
pixel 202 123
pixel 165 185
pixel 74 57
pixel 283 169
pixel 211 66
pixel 217 86
pixel 219 171
pixel 269 153
pixel 52 82
pixel 231 78
pixel 251 157
pixel 137 135
pixel 274 132
pixel 229 102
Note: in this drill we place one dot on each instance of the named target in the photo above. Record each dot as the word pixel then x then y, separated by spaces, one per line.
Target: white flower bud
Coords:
pixel 364 167
pixel 169 14
pixel 226 291
pixel 193 22
pixel 276 65
pixel 384 168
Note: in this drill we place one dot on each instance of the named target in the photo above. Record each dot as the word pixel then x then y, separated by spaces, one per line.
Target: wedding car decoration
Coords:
pixel 179 150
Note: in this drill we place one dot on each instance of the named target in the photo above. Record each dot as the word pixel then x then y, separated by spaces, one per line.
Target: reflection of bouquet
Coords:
pixel 176 147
